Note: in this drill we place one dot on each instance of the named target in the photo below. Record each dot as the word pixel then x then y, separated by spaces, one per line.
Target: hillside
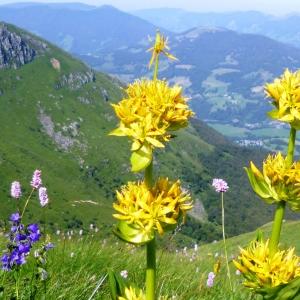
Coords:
pixel 55 115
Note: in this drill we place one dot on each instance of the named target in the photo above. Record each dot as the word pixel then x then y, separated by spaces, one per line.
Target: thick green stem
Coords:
pixel 280 209
pixel 276 228
pixel 149 175
pixel 151 270
pixel 151 248
pixel 224 241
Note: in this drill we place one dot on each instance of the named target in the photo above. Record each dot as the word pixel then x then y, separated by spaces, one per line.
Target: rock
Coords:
pixel 105 95
pixel 15 51
pixel 75 80
pixel 55 63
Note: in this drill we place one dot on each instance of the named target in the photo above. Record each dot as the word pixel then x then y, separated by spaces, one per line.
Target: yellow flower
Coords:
pixel 132 294
pixel 160 46
pixel 145 211
pixel 147 115
pixel 278 181
pixel 285 93
pixel 264 271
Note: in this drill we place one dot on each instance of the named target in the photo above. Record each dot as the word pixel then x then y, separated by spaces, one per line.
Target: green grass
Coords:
pixel 76 265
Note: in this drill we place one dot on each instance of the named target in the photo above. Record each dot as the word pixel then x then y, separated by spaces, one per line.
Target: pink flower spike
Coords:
pixel 43 196
pixel 220 185
pixel 15 190
pixel 36 181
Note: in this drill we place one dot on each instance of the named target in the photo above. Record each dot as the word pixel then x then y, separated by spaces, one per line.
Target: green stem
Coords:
pixel 26 203
pixel 151 248
pixel 155 74
pixel 224 241
pixel 151 270
pixel 280 209
pixel 149 175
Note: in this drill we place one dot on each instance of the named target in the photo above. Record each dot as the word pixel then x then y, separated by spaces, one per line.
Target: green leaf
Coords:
pixel 141 158
pixel 133 234
pixel 116 284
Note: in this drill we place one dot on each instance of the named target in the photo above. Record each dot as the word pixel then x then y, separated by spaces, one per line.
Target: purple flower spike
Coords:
pixel 43 196
pixel 36 181
pixel 220 185
pixel 15 190
pixel 210 279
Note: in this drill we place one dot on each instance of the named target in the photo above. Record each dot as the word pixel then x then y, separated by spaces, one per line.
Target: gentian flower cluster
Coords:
pixel 21 239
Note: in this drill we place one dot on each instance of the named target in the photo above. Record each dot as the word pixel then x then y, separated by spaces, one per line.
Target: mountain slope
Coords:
pixel 55 115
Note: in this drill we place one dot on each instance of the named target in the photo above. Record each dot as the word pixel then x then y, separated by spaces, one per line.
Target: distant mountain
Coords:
pixel 79 28
pixel 55 115
pixel 223 71
pixel 68 5
pixel 285 29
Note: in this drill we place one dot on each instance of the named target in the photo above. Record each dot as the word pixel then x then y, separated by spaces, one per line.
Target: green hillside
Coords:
pixel 55 115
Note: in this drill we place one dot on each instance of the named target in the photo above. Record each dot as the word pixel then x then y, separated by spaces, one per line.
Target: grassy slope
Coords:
pixel 76 265
pixel 196 156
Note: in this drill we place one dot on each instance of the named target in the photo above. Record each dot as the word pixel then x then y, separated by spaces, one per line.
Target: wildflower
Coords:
pixel 147 115
pixel 238 272
pixel 160 46
pixel 220 185
pixel 261 270
pixel 277 182
pixel 124 274
pixel 15 190
pixel 146 211
pixel 285 94
pixel 43 196
pixel 36 181
pixel 210 279
pixel 21 239
pixel 15 218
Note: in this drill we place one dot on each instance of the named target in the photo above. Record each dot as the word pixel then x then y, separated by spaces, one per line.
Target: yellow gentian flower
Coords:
pixel 147 211
pixel 149 112
pixel 285 94
pixel 277 182
pixel 264 271
pixel 160 46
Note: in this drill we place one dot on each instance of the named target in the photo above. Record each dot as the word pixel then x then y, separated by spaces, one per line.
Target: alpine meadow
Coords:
pixel 116 181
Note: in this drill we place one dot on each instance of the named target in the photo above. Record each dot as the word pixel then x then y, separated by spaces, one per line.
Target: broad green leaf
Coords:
pixel 141 158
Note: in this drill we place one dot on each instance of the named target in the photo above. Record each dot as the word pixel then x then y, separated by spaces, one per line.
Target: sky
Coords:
pixel 277 7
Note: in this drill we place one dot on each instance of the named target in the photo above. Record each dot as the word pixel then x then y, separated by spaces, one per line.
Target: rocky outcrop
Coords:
pixel 15 51
pixel 75 80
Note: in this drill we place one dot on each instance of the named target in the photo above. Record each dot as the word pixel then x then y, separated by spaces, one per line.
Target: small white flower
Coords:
pixel 238 272
pixel 124 273
pixel 72 254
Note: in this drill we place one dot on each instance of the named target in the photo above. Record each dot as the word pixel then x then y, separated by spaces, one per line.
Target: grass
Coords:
pixel 78 263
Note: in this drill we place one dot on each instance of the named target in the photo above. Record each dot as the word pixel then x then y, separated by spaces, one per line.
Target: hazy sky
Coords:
pixel 271 6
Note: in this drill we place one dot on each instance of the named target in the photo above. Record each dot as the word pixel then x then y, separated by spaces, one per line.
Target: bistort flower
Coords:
pixel 285 94
pixel 15 190
pixel 149 112
pixel 143 211
pixel 261 270
pixel 43 196
pixel 36 181
pixel 278 181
